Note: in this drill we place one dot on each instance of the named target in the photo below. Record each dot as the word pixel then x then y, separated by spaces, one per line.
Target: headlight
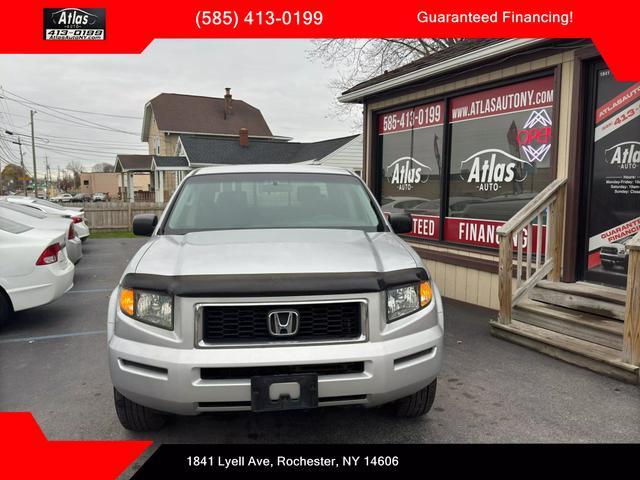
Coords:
pixel 403 301
pixel 154 308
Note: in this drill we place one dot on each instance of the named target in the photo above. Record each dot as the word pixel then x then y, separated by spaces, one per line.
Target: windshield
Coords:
pixel 272 200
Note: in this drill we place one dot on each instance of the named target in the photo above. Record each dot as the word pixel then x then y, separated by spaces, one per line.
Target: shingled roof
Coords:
pixel 195 114
pixel 133 163
pixel 460 57
pixel 163 161
pixel 221 151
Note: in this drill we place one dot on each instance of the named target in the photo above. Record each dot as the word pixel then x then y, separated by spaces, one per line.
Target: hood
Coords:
pixel 275 251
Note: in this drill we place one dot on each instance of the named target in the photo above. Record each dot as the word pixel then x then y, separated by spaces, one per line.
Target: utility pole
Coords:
pixel 33 152
pixel 46 176
pixel 24 171
pixel 58 178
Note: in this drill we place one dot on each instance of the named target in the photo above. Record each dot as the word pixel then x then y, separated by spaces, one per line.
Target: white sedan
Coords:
pixel 34 270
pixel 64 198
pixel 76 215
pixel 40 220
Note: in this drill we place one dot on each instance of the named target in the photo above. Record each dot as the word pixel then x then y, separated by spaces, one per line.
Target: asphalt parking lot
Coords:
pixel 53 363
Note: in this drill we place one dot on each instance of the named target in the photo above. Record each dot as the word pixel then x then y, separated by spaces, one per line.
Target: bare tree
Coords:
pixel 358 60
pixel 103 167
pixel 76 169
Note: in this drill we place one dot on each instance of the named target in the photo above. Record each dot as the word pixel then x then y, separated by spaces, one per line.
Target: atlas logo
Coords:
pixel 406 172
pixel 536 130
pixel 73 18
pixel 491 168
pixel 74 23
pixel 625 155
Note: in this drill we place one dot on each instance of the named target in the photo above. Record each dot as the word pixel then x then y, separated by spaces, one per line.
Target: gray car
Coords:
pixel 268 288
pixel 42 221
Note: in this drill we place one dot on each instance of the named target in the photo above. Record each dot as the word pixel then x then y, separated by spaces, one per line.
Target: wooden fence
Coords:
pixel 115 215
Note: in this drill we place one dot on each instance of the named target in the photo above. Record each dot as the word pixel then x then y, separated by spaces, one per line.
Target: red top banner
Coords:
pixel 115 26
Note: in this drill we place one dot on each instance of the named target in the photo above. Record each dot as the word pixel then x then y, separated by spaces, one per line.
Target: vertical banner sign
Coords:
pixel 500 158
pixel 411 141
pixel 614 210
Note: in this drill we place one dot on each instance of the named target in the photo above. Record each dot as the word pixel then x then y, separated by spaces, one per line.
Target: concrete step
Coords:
pixel 599 300
pixel 574 323
pixel 597 358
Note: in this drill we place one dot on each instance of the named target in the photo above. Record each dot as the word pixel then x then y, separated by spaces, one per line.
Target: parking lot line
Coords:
pixel 52 337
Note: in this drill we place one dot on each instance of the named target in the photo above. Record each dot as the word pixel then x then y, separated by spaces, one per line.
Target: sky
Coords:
pixel 275 76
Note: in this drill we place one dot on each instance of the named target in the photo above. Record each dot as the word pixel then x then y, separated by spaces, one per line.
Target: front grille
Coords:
pixel 248 372
pixel 318 322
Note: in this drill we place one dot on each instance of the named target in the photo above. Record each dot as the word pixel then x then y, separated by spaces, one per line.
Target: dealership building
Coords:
pixel 519 162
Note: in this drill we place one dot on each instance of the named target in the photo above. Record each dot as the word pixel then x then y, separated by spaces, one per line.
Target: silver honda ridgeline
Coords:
pixel 272 287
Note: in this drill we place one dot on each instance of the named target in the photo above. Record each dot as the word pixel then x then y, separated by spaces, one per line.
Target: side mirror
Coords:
pixel 144 224
pixel 401 222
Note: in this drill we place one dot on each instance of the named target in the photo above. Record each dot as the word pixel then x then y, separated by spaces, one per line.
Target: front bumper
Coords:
pixel 612 257
pixel 169 379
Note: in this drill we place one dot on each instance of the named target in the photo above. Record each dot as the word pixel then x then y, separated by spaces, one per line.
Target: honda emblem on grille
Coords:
pixel 283 323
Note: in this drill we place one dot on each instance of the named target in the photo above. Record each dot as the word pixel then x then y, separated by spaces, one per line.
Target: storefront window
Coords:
pixel 499 159
pixel 411 142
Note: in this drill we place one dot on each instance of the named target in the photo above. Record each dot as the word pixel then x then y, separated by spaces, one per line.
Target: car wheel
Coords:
pixel 417 404
pixel 5 308
pixel 135 417
pixel 607 264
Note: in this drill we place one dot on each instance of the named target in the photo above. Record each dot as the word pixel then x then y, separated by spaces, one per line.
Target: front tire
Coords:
pixel 135 417
pixel 417 404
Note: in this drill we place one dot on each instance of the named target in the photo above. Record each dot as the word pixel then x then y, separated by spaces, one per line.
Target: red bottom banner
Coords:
pixel 484 233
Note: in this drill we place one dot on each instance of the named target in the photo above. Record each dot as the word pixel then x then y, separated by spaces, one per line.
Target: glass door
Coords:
pixel 612 177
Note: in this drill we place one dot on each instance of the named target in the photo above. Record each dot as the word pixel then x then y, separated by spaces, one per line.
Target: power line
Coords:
pixel 47 146
pixel 72 119
pixel 51 107
pixel 48 138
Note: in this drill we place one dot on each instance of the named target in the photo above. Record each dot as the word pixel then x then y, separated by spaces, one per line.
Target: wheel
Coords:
pixel 135 417
pixel 417 404
pixel 5 308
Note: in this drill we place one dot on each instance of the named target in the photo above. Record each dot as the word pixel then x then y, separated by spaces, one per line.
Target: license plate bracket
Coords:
pixel 261 388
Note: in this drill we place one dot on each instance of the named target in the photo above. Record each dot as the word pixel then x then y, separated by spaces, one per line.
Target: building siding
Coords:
pixel 168 141
pixel 348 156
